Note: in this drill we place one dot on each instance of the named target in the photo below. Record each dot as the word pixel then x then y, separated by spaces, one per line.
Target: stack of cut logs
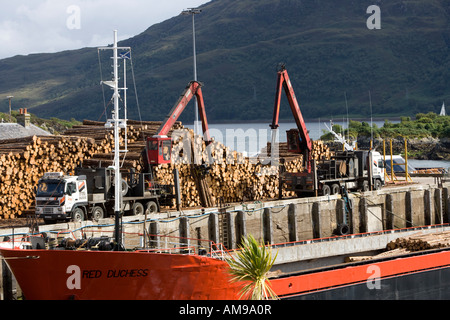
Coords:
pixel 232 177
pixel 410 244
pixel 421 242
pixel 319 150
pixel 23 161
pixel 137 131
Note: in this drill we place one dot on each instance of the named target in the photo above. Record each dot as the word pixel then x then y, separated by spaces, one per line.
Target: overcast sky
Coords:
pixel 36 26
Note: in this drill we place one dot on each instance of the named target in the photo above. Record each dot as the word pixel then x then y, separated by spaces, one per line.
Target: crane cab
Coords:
pixel 159 150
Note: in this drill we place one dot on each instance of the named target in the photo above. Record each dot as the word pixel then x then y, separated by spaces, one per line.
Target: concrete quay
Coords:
pixel 276 221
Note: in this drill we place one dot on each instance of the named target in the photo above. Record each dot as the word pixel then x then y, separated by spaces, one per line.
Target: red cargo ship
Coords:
pixel 150 275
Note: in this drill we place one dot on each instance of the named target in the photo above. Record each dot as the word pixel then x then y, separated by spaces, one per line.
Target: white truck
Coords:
pixel 90 195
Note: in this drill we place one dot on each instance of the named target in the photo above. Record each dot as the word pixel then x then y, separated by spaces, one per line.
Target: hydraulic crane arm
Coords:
pixel 193 88
pixel 305 141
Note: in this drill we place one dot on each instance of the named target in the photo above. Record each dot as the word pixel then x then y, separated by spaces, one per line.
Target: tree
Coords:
pixel 251 266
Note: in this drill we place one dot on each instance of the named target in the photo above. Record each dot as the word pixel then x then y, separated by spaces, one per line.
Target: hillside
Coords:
pixel 327 48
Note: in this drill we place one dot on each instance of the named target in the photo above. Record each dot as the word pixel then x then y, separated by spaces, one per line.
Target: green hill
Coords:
pixel 327 48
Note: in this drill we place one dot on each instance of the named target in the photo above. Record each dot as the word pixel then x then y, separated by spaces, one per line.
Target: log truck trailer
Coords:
pixel 355 170
pixel 89 194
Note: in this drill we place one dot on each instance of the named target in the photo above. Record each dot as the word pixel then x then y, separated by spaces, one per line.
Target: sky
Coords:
pixel 38 26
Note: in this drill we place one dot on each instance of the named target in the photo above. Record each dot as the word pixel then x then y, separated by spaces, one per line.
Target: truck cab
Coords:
pixel 60 197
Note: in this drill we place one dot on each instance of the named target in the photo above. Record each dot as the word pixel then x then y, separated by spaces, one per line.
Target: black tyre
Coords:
pixel 335 189
pixel 377 184
pixel 365 186
pixel 98 213
pixel 78 215
pixel 343 229
pixel 151 207
pixel 326 190
pixel 138 208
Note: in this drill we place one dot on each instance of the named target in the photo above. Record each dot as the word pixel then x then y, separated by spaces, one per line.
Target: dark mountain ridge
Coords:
pixel 328 50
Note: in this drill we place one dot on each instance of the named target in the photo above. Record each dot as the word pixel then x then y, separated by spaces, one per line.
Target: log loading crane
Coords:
pixel 159 146
pixel 352 170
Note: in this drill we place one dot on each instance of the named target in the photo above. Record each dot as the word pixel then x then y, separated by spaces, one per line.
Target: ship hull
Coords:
pixel 426 285
pixel 418 276
pixel 95 275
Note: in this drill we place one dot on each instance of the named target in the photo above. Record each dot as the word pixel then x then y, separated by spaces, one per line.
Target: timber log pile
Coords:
pixel 24 160
pixel 406 245
pixel 319 151
pixel 232 177
pixel 137 131
pixel 421 242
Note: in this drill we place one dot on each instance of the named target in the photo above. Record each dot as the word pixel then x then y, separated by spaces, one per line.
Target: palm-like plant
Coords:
pixel 251 265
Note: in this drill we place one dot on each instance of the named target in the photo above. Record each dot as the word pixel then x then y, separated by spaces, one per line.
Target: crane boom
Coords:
pixel 192 89
pixel 305 143
pixel 159 147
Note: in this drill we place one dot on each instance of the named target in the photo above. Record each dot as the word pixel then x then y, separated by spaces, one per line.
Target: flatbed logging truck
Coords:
pixel 355 170
pixel 89 194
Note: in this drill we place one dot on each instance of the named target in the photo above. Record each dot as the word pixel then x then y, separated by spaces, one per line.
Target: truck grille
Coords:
pixel 42 203
pixel 48 210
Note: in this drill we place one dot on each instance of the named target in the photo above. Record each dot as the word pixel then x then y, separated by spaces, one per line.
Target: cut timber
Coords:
pixel 232 177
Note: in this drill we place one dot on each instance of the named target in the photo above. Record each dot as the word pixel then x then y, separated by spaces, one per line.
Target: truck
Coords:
pixel 353 170
pixel 359 170
pixel 89 194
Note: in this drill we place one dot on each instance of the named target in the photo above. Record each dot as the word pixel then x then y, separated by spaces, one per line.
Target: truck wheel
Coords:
pixel 335 189
pixel 151 207
pixel 377 184
pixel 78 215
pixel 365 186
pixel 326 190
pixel 138 208
pixel 98 213
pixel 124 187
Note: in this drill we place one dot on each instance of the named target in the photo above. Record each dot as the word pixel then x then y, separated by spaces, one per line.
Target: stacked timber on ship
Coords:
pixel 231 176
pixel 405 245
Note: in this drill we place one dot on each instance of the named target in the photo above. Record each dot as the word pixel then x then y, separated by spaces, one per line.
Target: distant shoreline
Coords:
pixel 306 120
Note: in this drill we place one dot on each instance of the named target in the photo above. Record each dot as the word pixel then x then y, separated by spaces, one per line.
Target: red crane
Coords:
pixel 159 147
pixel 298 139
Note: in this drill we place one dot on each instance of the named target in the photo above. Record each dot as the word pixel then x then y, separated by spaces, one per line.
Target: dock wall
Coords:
pixel 279 221
pixel 292 220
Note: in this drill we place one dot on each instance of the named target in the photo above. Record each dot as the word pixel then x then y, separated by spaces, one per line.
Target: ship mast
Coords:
pixel 117 176
pixel 116 123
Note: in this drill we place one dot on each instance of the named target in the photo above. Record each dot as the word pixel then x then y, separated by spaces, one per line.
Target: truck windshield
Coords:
pixel 50 188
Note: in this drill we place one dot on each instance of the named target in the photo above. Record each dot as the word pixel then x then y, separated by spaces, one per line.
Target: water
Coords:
pixel 250 138
pixel 429 163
